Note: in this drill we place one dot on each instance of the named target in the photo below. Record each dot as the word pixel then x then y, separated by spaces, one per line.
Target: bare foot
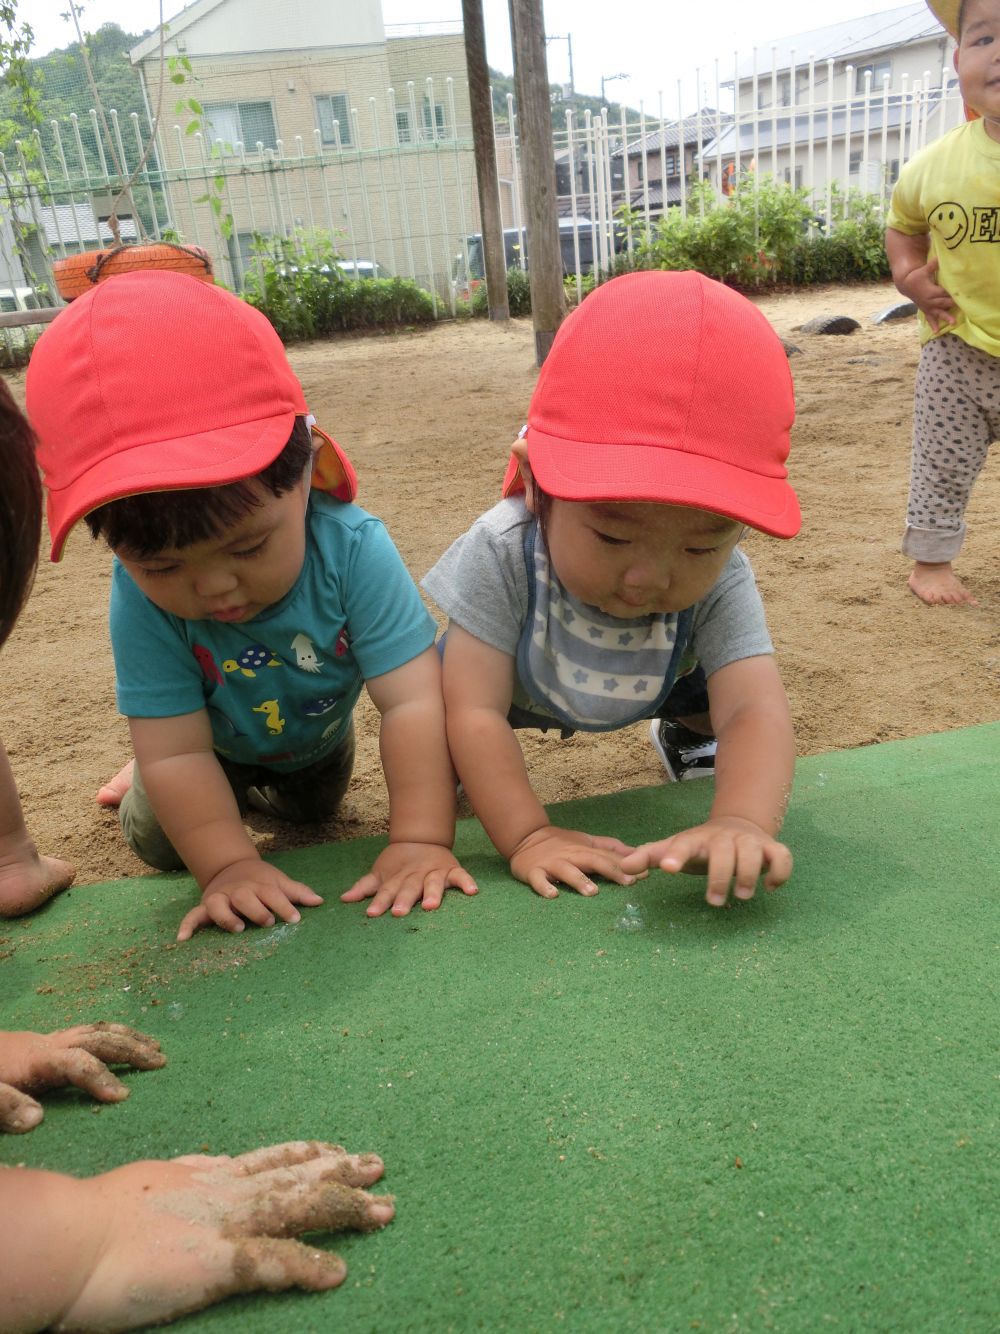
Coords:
pixel 938 585
pixel 115 788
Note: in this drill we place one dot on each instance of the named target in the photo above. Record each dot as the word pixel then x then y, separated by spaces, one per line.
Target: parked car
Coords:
pixel 349 269
pixel 573 233
pixel 361 268
pixel 18 298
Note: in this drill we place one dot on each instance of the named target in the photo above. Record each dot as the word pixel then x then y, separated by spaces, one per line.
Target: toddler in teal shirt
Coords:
pixel 251 599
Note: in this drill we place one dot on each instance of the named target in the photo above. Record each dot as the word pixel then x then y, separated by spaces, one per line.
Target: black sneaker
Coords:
pixel 685 754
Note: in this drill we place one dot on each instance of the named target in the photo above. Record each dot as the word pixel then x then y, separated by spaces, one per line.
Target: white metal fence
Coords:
pixel 405 206
pixel 410 205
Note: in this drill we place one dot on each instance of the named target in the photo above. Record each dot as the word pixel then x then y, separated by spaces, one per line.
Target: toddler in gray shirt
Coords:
pixel 607 588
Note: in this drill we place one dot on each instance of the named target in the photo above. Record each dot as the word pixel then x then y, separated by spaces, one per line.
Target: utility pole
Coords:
pixel 484 148
pixel 568 39
pixel 548 299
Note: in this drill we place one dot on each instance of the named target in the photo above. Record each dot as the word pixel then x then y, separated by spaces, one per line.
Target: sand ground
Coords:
pixel 427 417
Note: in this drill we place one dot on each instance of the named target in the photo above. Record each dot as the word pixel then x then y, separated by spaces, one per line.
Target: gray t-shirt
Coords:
pixel 486 582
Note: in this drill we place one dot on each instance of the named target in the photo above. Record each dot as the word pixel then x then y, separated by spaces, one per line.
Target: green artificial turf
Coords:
pixel 781 1115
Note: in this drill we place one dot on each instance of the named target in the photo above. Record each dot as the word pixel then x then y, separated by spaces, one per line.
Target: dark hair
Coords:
pixel 156 521
pixel 20 510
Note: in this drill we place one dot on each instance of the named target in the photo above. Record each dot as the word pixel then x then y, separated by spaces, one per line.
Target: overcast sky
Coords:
pixel 654 42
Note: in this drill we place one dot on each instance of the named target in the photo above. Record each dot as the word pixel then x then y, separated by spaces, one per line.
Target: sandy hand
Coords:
pixel 33 1062
pixel 181 1235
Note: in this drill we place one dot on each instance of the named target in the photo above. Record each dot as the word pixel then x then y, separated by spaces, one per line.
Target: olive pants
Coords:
pixel 303 796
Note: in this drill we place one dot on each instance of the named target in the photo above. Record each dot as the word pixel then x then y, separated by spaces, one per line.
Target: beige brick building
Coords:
pixel 315 116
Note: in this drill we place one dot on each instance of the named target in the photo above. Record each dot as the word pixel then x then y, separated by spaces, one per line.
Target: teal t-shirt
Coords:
pixel 279 689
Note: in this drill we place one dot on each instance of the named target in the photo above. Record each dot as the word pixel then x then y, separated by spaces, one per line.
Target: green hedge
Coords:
pixel 767 233
pixel 763 235
pixel 299 287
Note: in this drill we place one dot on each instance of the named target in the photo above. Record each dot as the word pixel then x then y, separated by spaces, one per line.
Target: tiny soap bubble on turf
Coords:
pixel 631 919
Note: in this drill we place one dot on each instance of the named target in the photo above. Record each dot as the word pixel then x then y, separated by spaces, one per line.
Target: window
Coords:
pixel 333 107
pixel 854 165
pixel 433 120
pixel 798 177
pixel 783 89
pixel 880 69
pixel 247 123
pixel 893 171
pixel 670 162
pixel 404 130
pixel 247 244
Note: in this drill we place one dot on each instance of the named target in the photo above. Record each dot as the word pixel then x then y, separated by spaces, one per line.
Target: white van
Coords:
pixel 576 235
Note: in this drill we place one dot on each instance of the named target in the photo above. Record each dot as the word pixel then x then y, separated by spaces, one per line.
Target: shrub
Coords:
pixel 298 285
pixel 852 250
pixel 16 345
pixel 765 233
pixel 588 282
pixel 747 239
pixel 518 295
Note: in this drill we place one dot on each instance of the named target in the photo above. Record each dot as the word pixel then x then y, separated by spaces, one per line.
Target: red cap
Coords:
pixel 666 387
pixel 156 381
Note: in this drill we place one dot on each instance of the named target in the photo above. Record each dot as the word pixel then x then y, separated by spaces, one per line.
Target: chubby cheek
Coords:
pixel 182 602
pixel 700 581
pixel 585 578
pixel 180 596
pixel 160 592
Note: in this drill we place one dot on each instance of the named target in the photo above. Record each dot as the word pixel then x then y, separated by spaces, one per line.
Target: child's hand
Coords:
pixel 27 879
pixel 177 1236
pixel 921 287
pixel 253 888
pixel 731 851
pixel 405 874
pixel 551 856
pixel 32 1062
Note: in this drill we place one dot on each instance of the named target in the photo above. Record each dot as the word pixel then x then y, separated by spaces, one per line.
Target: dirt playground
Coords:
pixel 427 418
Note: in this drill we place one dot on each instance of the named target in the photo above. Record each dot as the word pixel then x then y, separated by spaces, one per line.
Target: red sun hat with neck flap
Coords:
pixel 671 388
pixel 157 381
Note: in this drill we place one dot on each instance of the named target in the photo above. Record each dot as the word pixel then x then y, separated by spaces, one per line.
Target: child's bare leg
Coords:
pixel 954 423
pixel 111 793
pixel 937 584
pixel 697 722
pixel 27 880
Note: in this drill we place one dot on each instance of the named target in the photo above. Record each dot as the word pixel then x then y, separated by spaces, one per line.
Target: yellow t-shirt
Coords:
pixel 951 190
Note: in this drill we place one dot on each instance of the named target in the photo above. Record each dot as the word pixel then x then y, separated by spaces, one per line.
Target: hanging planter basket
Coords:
pixel 79 273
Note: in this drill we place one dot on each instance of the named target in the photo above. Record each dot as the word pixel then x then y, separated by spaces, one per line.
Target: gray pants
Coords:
pixel 956 417
pixel 304 796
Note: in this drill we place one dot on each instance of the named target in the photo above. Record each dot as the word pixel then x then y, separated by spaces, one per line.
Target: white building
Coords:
pixel 849 101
